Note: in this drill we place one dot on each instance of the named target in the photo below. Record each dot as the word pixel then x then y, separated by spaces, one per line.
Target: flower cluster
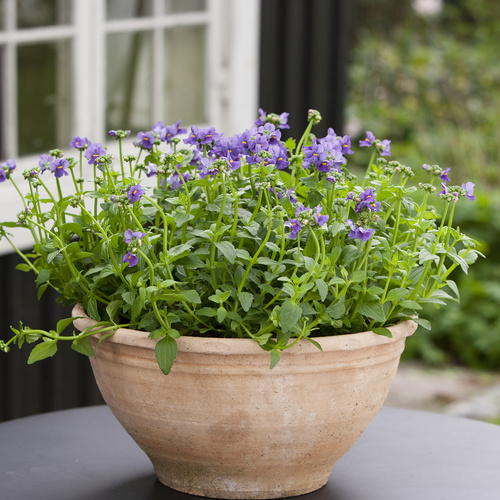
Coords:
pixel 248 235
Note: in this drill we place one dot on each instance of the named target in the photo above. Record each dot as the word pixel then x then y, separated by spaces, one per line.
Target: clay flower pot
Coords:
pixel 222 424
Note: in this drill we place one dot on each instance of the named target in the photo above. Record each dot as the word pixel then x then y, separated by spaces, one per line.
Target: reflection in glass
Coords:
pixel 177 6
pixel 129 81
pixel 184 79
pixel 126 9
pixel 34 13
pixel 44 96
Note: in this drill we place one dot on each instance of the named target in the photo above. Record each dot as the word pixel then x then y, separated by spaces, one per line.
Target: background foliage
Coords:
pixel 430 83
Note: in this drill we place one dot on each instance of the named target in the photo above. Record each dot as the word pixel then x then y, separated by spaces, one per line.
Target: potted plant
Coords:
pixel 276 290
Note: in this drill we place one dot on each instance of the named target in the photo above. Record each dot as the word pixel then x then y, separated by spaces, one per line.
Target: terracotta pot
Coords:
pixel 222 424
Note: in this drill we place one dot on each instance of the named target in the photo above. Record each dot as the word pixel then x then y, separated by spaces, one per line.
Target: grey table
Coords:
pixel 84 454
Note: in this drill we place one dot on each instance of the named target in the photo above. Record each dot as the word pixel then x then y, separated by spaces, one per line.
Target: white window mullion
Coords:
pixel 158 70
pixel 10 84
pixel 89 68
pixel 232 63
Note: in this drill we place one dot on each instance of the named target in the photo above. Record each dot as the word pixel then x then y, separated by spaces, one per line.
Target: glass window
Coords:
pixel 178 6
pixel 129 81
pixel 185 74
pixel 35 13
pixel 44 96
pixel 128 9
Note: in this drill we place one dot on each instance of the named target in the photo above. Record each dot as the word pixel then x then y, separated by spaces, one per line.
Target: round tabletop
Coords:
pixel 84 454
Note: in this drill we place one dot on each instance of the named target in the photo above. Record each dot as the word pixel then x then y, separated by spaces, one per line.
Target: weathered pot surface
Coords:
pixel 223 425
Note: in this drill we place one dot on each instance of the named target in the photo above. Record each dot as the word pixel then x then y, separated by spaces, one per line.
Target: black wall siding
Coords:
pixel 64 381
pixel 304 56
pixel 304 51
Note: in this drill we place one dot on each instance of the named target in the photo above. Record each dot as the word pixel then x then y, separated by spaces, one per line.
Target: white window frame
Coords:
pixel 231 79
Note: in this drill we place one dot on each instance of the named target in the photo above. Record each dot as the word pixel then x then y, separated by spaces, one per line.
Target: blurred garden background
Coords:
pixel 425 74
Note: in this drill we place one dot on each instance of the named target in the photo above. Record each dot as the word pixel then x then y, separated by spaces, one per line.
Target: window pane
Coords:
pixel 34 13
pixel 129 73
pixel 126 9
pixel 44 97
pixel 185 70
pixel 176 6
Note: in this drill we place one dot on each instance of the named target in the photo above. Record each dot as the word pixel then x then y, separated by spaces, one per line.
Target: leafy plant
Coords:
pixel 246 236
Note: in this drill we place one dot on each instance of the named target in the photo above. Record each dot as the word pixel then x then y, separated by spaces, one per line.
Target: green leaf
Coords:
pixel 423 322
pixel 43 276
pixel 382 331
pixel 83 346
pixel 275 357
pixel 337 310
pixel 227 250
pixel 166 352
pixel 208 312
pixel 113 308
pixel 322 289
pixel 290 314
pixel 192 296
pixel 411 304
pixel 43 350
pixel 246 300
pixel 373 310
pixel 396 294
pixel 221 314
pixel 91 308
pixel 63 324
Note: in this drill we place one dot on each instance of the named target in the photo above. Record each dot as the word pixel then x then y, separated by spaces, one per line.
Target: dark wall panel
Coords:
pixel 304 56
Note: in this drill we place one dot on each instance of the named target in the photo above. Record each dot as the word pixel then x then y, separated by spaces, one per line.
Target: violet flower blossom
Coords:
pixel 358 232
pixel 80 143
pixel 59 167
pixel 131 259
pixel 469 190
pixel 146 140
pixel 294 225
pixel 319 218
pixel 93 152
pixel 134 193
pixel 129 235
pixel 368 141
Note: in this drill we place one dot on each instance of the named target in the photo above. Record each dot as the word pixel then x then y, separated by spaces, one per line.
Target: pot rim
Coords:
pixel 218 345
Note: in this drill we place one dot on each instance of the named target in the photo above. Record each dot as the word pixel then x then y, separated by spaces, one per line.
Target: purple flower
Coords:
pixel 94 151
pixel 44 161
pixel 119 133
pixel 131 259
pixel 345 144
pixel 59 167
pixel 3 175
pixel 203 136
pixel 134 193
pixel 80 143
pixel 153 169
pixel 175 181
pixel 444 175
pixel 10 164
pixel 469 190
pixel 281 120
pixel 368 141
pixel 445 189
pixel 358 232
pixel 384 148
pixel 319 218
pixel 206 167
pixel 367 202
pixel 294 225
pixel 129 235
pixel 233 163
pixel 146 140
